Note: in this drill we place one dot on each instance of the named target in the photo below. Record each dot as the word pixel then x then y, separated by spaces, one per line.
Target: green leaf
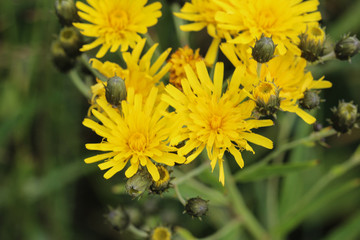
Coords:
pixel 349 230
pixel 275 171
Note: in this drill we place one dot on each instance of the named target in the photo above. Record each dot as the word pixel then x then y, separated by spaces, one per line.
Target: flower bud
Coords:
pixel 115 91
pixel 118 218
pixel 71 41
pixel 161 233
pixel 312 43
pixel 163 183
pixel 267 98
pixel 310 100
pixel 196 207
pixel 344 117
pixel 264 49
pixel 138 184
pixel 66 12
pixel 59 57
pixel 347 47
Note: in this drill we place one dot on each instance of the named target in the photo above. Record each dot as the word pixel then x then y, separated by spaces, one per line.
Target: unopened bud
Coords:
pixel 118 218
pixel 115 91
pixel 163 183
pixel 344 117
pixel 161 233
pixel 310 100
pixel 264 49
pixel 196 207
pixel 60 58
pixel 347 47
pixel 71 41
pixel 66 12
pixel 138 184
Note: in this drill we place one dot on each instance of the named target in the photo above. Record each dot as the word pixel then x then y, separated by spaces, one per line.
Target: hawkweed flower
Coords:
pixel 116 23
pixel 282 20
pixel 286 74
pixel 206 118
pixel 163 184
pixel 160 233
pixel 179 59
pixel 201 14
pixel 138 135
pixel 140 73
pixel 312 42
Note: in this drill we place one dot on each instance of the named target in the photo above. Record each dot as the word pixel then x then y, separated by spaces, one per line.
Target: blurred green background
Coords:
pixel 48 192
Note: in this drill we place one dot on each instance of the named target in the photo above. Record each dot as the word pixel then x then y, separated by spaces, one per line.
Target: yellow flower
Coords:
pixel 139 73
pixel 206 118
pixel 202 14
pixel 178 60
pixel 138 135
pixel 287 73
pixel 116 23
pixel 283 20
pixel 161 233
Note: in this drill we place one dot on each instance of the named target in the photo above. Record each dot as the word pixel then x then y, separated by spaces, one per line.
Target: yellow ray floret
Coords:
pixel 116 23
pixel 206 118
pixel 137 136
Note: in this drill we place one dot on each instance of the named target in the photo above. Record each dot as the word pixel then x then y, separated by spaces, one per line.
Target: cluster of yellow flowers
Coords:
pixel 206 113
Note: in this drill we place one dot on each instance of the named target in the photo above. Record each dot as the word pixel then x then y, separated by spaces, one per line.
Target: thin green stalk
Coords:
pixel 85 61
pixel 79 84
pixel 326 132
pixel 221 233
pixel 328 57
pixel 334 173
pixel 238 204
pixel 179 196
pixel 258 70
pixel 137 232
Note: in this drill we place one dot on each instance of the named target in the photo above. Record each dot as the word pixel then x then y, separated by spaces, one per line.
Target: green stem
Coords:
pixel 335 172
pixel 191 174
pixel 258 70
pixel 238 204
pixel 79 84
pixel 137 232
pixel 326 132
pixel 85 60
pixel 179 196
pixel 328 57
pixel 221 233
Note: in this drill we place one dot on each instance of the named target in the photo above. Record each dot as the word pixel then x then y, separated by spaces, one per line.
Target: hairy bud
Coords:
pixel 115 91
pixel 264 49
pixel 347 47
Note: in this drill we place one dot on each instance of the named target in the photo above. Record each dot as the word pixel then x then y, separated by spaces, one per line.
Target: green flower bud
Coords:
pixel 310 100
pixel 118 218
pixel 163 183
pixel 264 49
pixel 71 41
pixel 138 184
pixel 60 58
pixel 344 117
pixel 66 12
pixel 160 233
pixel 196 207
pixel 311 44
pixel 115 91
pixel 266 95
pixel 347 47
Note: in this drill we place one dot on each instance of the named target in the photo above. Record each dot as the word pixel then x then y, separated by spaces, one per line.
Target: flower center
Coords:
pixel 137 142
pixel 263 91
pixel 119 19
pixel 215 122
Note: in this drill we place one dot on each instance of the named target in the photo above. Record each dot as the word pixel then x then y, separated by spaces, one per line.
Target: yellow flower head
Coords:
pixel 161 233
pixel 202 14
pixel 206 118
pixel 283 20
pixel 287 73
pixel 138 135
pixel 116 23
pixel 178 60
pixel 139 73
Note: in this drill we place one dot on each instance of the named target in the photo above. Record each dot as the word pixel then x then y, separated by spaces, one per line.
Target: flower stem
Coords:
pixel 327 57
pixel 85 61
pixel 179 196
pixel 238 204
pixel 258 70
pixel 191 174
pixel 79 84
pixel 326 132
pixel 137 232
